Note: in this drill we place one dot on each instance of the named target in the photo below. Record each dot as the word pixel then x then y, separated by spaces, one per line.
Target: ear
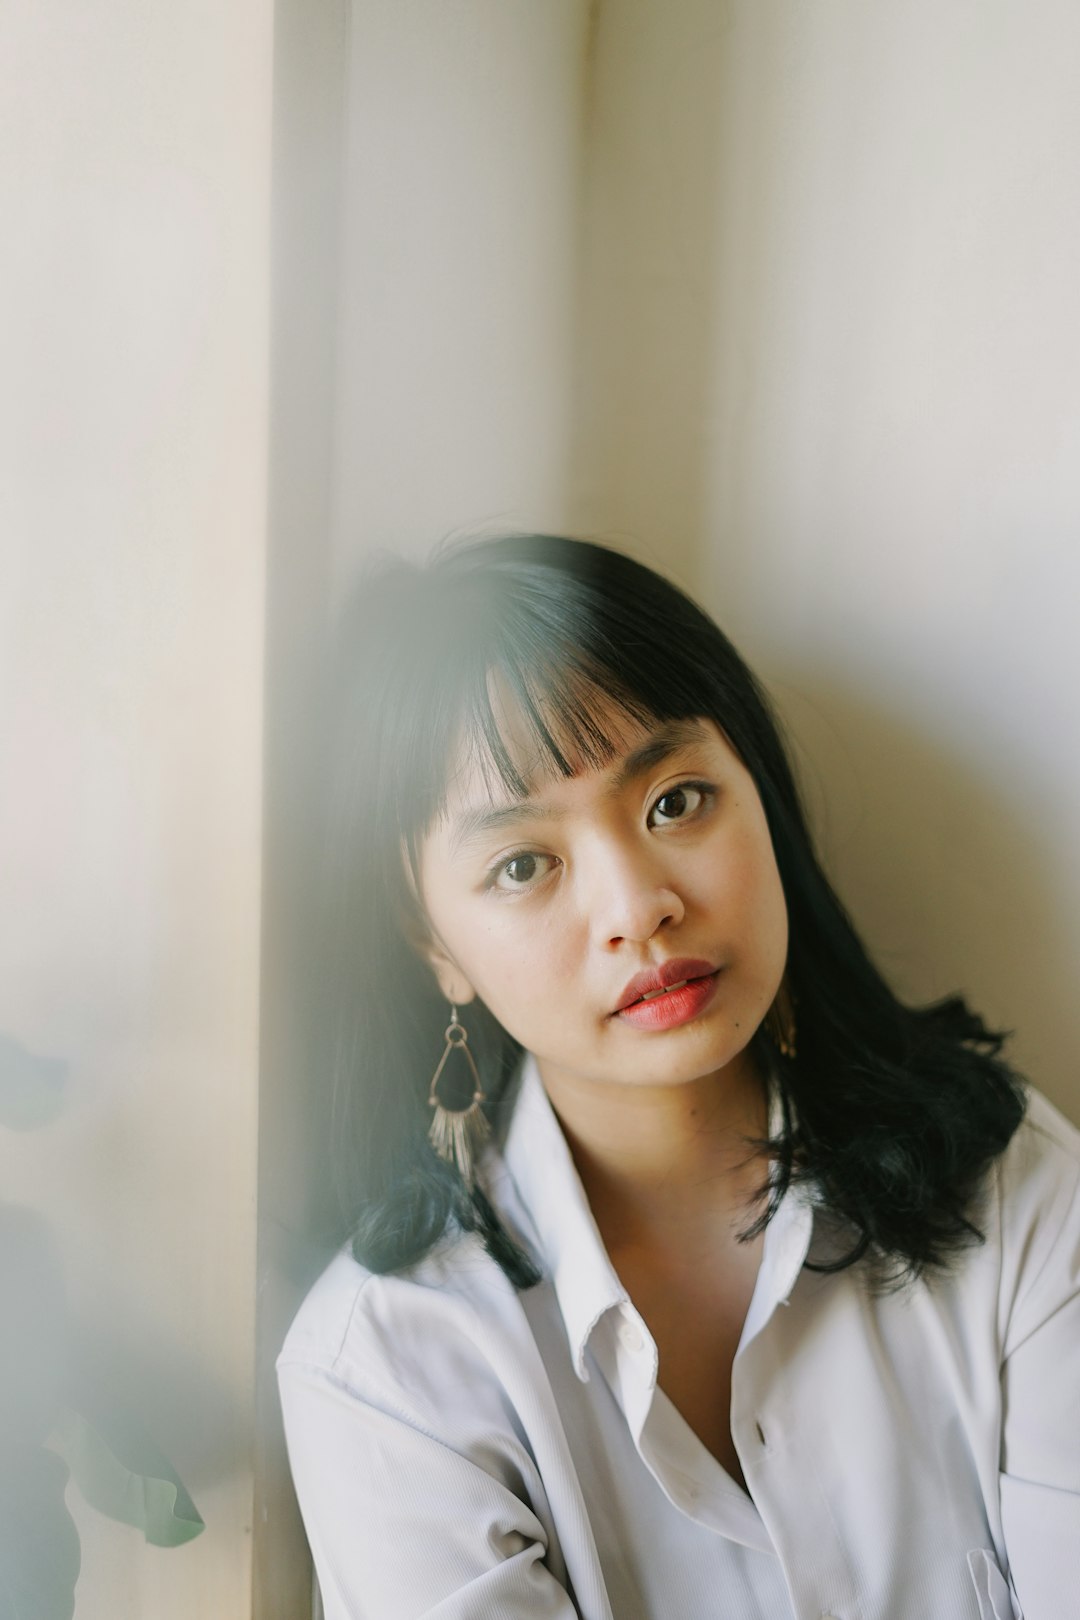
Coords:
pixel 420 935
pixel 452 981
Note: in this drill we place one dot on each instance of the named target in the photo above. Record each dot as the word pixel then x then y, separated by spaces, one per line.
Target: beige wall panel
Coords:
pixel 134 172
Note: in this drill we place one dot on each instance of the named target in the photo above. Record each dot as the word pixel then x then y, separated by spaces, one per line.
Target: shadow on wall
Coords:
pixel 640 426
pixel 940 870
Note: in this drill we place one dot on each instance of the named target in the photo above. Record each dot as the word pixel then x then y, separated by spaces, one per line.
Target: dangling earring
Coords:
pixel 456 1133
pixel 780 1021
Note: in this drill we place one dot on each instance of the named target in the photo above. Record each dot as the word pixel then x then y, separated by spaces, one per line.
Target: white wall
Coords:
pixel 462 164
pixel 831 377
pixel 134 172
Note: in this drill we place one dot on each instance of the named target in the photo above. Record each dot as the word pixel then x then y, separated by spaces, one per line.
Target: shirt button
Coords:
pixel 630 1336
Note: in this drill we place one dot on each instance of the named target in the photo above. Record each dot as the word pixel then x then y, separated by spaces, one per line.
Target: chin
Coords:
pixel 691 1069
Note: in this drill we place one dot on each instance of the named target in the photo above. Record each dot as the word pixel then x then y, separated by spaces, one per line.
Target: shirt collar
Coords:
pixel 538 1159
pixel 543 1171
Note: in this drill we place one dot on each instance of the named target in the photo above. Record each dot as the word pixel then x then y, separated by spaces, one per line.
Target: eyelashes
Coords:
pixel 525 884
pixel 522 855
pixel 699 788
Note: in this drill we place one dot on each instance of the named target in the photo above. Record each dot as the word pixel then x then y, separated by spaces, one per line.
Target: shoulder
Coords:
pixel 1040 1168
pixel 399 1341
pixel 416 1479
pixel 1037 1215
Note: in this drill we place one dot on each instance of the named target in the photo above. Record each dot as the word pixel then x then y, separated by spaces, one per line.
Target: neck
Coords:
pixel 661 1164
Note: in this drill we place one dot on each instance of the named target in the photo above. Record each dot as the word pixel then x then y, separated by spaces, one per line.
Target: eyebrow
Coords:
pixel 478 823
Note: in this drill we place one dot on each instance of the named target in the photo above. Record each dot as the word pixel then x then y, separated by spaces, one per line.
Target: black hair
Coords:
pixel 892 1113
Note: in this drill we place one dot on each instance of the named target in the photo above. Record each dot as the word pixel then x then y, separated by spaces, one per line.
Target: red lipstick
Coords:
pixel 670 993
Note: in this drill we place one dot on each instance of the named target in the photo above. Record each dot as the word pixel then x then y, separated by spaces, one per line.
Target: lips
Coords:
pixel 664 976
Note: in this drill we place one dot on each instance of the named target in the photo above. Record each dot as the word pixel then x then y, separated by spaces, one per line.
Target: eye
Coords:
pixel 518 872
pixel 679 803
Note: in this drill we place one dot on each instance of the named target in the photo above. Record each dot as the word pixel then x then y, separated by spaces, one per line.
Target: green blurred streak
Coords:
pixel 120 1472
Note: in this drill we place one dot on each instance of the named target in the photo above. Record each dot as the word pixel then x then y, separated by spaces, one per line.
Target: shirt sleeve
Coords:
pixel 399 1523
pixel 1040 1459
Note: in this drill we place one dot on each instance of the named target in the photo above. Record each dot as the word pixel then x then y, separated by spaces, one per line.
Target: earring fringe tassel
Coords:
pixel 456 1134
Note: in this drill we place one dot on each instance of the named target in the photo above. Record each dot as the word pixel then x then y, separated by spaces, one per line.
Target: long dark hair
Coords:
pixel 892 1113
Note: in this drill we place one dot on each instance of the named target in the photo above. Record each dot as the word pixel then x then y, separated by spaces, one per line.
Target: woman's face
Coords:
pixel 548 908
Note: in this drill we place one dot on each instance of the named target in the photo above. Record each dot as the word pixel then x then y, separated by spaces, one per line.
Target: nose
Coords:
pixel 632 893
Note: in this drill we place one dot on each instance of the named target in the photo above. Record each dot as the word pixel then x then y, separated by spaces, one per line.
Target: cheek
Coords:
pixel 775 907
pixel 756 893
pixel 524 955
pixel 523 968
pixel 774 918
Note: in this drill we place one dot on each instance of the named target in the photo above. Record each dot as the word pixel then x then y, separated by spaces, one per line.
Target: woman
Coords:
pixel 698 1275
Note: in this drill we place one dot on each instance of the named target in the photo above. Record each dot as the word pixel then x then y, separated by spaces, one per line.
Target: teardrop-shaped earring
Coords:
pixel 457 1133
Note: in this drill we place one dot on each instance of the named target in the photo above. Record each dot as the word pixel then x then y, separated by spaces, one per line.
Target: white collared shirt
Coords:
pixel 463 1451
